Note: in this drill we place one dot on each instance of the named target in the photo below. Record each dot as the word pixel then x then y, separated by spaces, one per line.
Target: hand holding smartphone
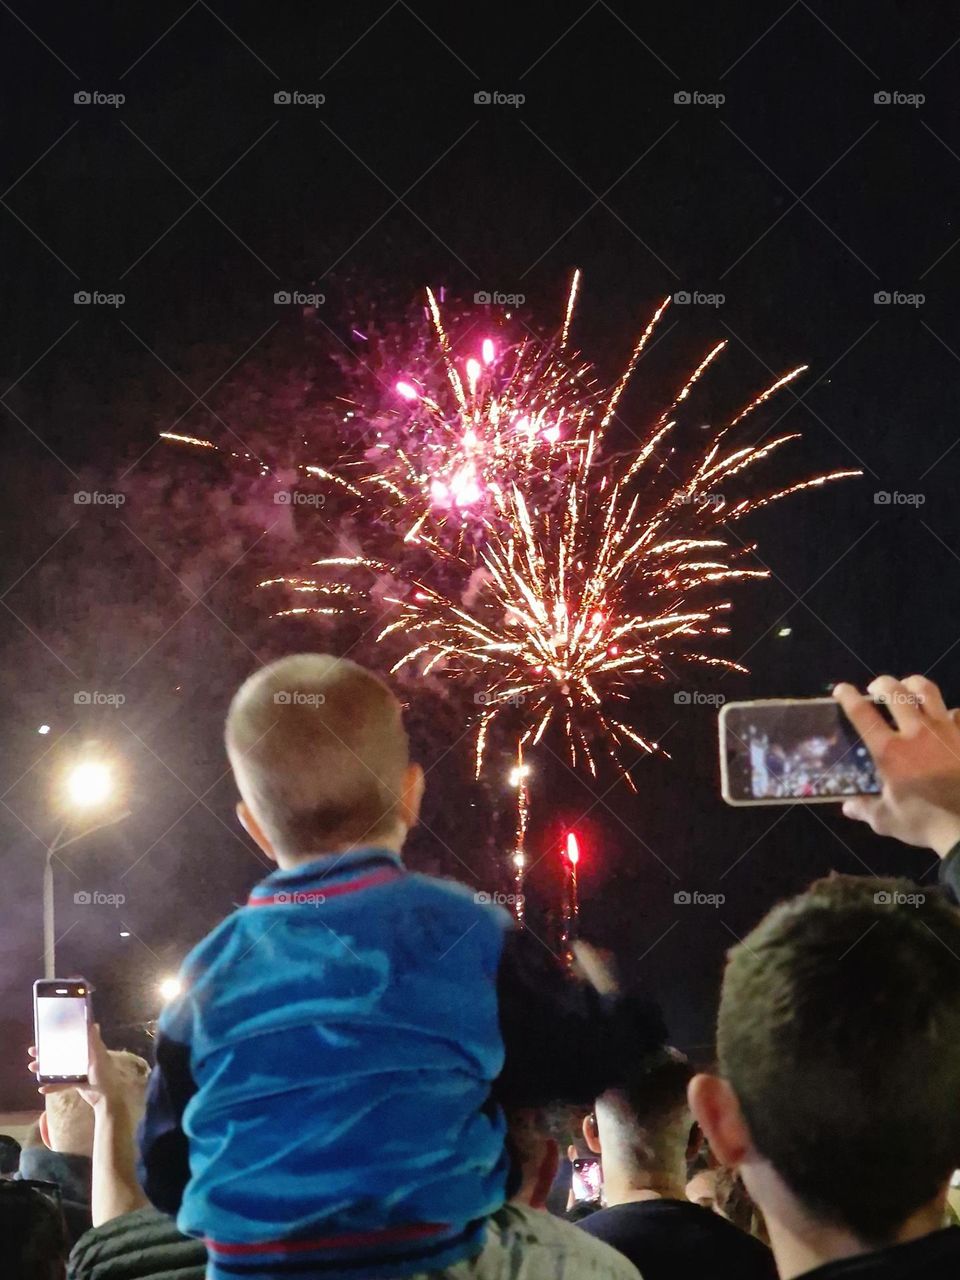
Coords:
pixel 61 1015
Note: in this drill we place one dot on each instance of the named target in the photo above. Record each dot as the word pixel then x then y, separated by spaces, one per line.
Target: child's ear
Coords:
pixel 413 784
pixel 591 1133
pixel 45 1129
pixel 253 829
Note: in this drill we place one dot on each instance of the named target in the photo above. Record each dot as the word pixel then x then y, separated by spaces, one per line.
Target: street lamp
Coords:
pixel 88 785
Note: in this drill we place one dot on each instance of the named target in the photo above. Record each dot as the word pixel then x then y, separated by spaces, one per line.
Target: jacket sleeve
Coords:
pixel 164 1165
pixel 950 872
pixel 563 1041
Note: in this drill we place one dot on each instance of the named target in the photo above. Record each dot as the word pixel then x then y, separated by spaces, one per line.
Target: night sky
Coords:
pixel 777 181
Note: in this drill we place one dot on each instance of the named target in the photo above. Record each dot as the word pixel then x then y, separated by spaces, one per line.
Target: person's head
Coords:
pixel 839 1049
pixel 9 1155
pixel 321 759
pixel 66 1123
pixel 33 1234
pixel 642 1131
pixel 535 1153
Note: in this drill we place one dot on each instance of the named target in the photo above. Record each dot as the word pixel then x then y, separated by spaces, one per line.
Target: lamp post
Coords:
pixel 89 784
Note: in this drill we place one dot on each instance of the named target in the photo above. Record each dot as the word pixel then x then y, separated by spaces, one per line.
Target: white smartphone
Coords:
pixel 61 1013
pixel 792 751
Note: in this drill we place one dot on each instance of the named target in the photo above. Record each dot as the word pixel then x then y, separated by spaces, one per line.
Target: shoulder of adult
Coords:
pixel 142 1243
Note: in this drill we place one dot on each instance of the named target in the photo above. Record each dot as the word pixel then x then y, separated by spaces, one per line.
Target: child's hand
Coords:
pixel 105 1084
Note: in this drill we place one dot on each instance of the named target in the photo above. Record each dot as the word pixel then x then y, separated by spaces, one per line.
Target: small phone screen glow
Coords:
pixel 62 1035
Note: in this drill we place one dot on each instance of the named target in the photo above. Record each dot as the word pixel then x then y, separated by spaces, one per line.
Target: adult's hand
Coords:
pixel 106 1085
pixel 918 761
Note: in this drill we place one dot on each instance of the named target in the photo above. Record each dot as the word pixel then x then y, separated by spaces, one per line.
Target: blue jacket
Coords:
pixel 332 1057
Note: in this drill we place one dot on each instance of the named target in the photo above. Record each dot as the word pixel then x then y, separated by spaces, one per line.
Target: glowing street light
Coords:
pixel 89 784
pixel 169 988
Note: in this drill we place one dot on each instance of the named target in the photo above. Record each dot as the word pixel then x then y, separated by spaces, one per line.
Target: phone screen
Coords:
pixel 587 1179
pixel 62 1044
pixel 793 750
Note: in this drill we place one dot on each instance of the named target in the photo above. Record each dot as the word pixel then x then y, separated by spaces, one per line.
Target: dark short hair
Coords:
pixel 839 1030
pixel 9 1154
pixel 32 1231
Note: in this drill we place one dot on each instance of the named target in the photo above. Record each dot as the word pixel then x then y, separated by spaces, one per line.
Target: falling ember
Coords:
pixel 407 391
pixel 488 350
pixel 573 848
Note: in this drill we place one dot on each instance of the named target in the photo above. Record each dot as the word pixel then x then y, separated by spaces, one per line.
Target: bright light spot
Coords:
pixel 473 374
pixel 613 650
pixel 440 493
pixel 518 773
pixel 598 619
pixel 464 487
pixel 573 849
pixel 489 351
pixel 552 435
pixel 89 783
pixel 44 728
pixel 407 391
pixel 470 439
pixel 124 933
pixel 519 859
pixel 169 988
pixel 784 632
